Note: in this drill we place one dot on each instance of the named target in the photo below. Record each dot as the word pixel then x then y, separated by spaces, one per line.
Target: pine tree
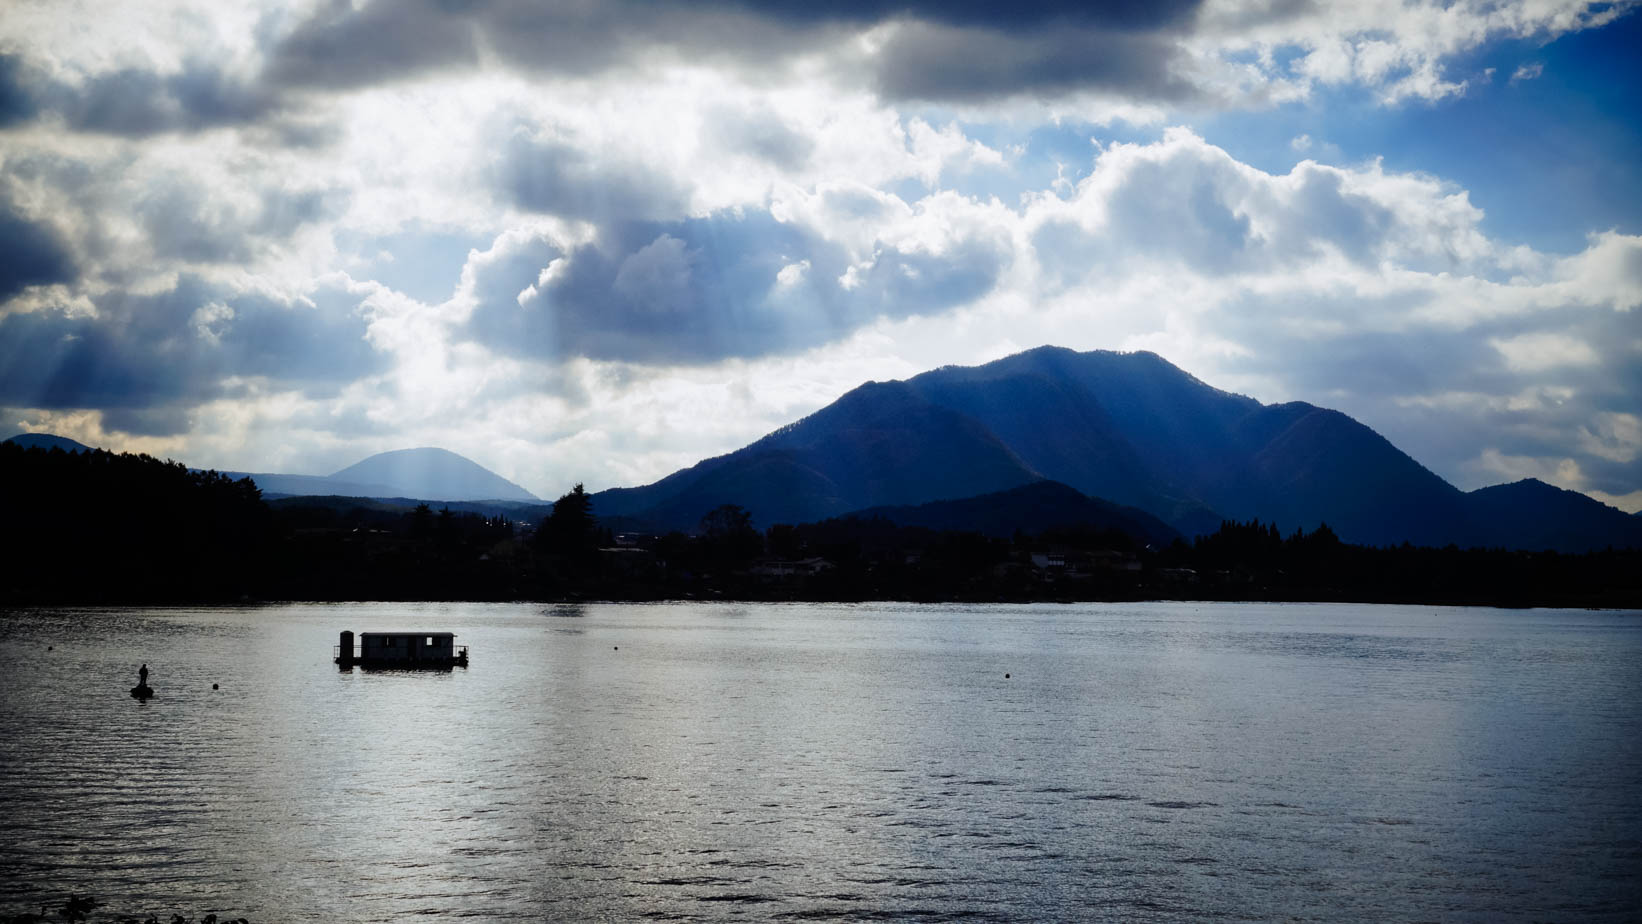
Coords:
pixel 570 529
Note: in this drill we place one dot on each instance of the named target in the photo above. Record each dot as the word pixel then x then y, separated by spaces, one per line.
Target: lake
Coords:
pixel 1134 762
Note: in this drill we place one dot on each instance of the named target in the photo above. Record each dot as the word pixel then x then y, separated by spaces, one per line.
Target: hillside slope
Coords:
pixel 1128 428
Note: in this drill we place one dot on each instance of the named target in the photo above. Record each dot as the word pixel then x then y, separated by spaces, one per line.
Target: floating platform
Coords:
pixel 401 651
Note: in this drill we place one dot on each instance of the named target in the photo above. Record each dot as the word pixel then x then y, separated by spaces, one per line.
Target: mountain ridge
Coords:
pixel 1129 428
pixel 48 441
pixel 425 474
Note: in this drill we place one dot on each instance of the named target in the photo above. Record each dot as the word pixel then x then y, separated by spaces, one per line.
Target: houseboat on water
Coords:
pixel 402 650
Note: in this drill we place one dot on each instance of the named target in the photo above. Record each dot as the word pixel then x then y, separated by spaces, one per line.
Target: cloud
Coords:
pixel 1183 202
pixel 923 61
pixel 558 178
pixel 655 279
pixel 342 47
pixel 1542 351
pixel 17 103
pixel 186 222
pixel 1214 53
pixel 34 255
pixel 759 133
pixel 1530 71
pixel 157 353
pixel 133 101
pixel 1122 14
pixel 701 290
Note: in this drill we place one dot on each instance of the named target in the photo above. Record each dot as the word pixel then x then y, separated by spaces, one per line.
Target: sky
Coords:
pixel 596 242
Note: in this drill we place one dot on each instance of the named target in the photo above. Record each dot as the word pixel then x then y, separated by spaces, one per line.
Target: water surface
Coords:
pixel 705 762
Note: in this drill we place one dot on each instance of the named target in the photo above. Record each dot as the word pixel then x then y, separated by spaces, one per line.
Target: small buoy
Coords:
pixel 615 647
pixel 213 686
pixel 50 647
pixel 1006 676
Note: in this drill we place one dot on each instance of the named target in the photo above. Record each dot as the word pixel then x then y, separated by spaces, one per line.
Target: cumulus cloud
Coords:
pixel 1183 202
pixel 34 255
pixel 1208 52
pixel 737 284
pixel 133 101
pixel 165 351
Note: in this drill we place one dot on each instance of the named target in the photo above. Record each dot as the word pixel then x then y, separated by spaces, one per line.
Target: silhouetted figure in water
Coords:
pixel 142 690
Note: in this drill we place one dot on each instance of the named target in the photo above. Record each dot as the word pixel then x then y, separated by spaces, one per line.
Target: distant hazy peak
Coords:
pixel 431 473
pixel 392 455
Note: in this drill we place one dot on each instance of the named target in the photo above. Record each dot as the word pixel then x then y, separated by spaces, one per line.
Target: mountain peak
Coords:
pixel 1130 428
pixel 1538 515
pixel 48 441
pixel 432 473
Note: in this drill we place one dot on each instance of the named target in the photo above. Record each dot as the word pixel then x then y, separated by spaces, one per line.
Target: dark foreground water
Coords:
pixel 1139 762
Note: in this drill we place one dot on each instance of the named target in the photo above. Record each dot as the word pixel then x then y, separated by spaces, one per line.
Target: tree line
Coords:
pixel 96 527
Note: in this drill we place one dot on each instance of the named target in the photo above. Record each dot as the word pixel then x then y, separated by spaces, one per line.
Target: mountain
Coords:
pixel 416 474
pixel 48 441
pixel 1129 428
pixel 880 444
pixel 1539 516
pixel 1136 430
pixel 432 474
pixel 1032 509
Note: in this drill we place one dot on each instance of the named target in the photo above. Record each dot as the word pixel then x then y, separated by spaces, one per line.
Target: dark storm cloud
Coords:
pixel 17 104
pixel 173 349
pixel 707 289
pixel 944 51
pixel 138 103
pixel 1121 14
pixel 30 254
pixel 343 47
pixel 939 51
pixel 943 63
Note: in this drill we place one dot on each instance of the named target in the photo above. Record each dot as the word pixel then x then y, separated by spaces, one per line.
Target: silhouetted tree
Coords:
pixel 728 534
pixel 421 521
pixel 570 530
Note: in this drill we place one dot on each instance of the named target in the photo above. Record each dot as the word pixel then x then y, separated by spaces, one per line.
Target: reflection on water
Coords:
pixel 1141 762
